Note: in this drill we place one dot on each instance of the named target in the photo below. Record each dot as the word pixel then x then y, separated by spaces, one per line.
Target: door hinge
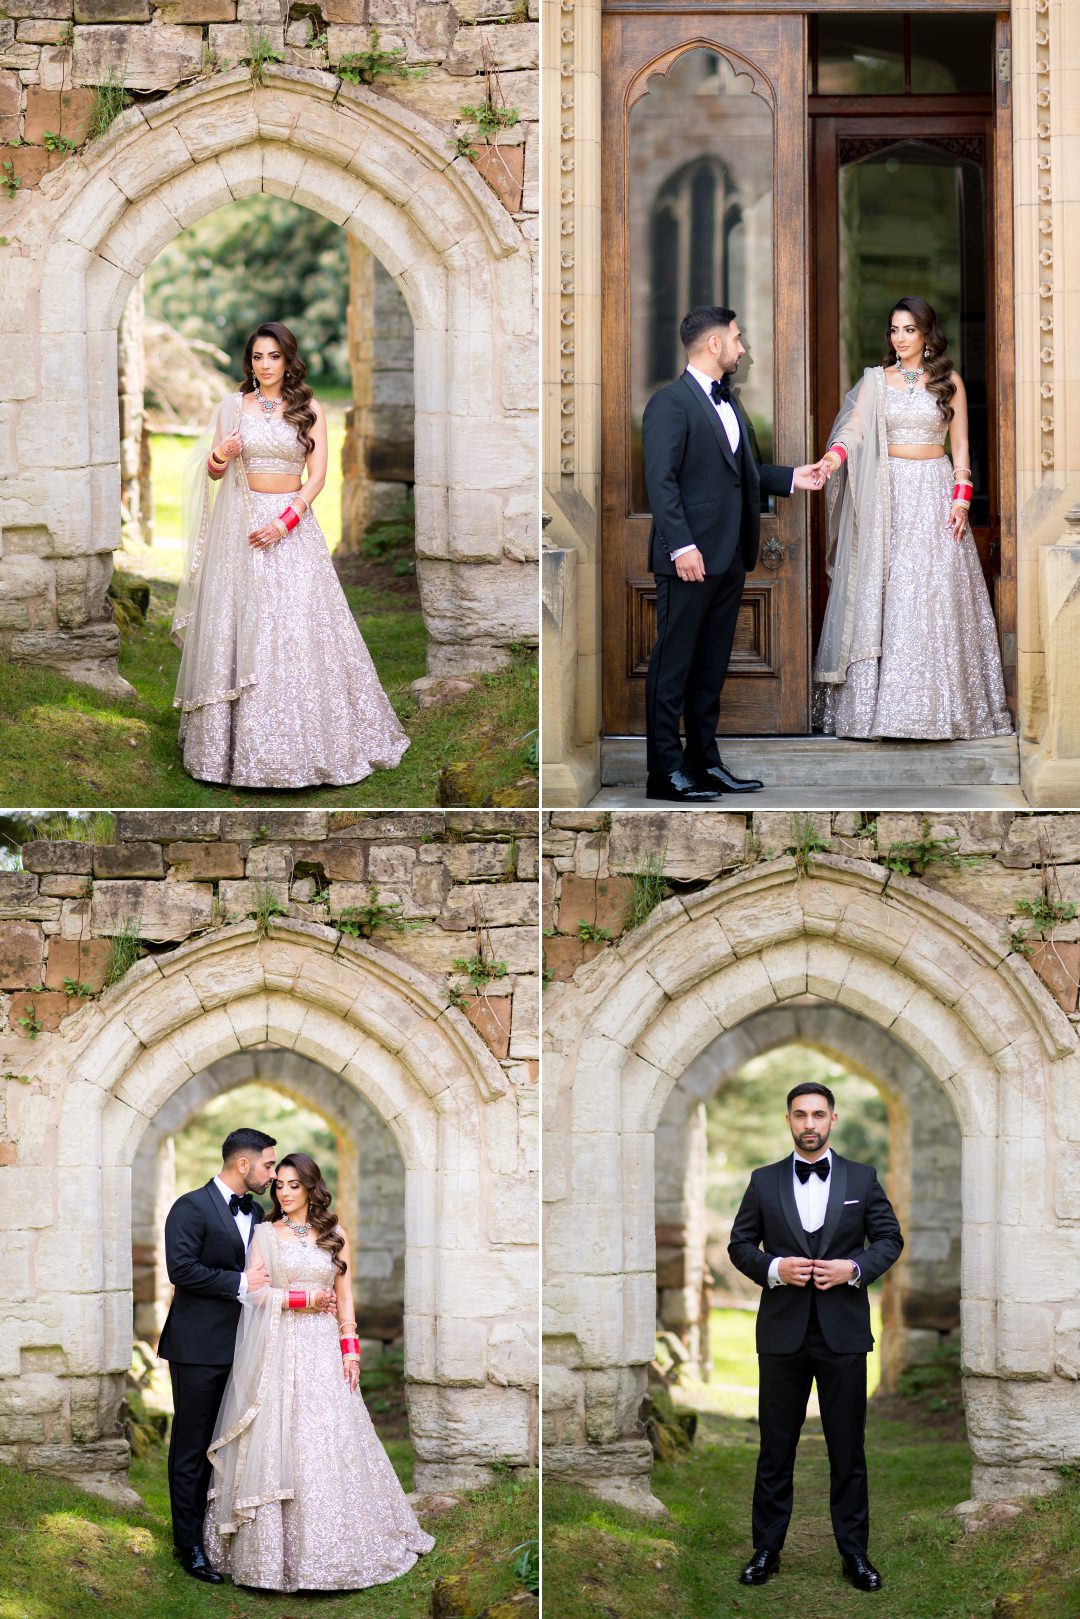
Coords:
pixel 1004 59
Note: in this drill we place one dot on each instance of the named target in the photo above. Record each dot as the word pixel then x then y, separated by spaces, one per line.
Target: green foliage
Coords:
pixel 361 921
pixel 463 147
pixel 592 934
pixel 262 258
pixel 530 754
pixel 364 67
pixel 72 989
pixel 266 907
pixel 525 1564
pixel 650 889
pixel 480 969
pixel 66 37
pixel 110 99
pixel 259 53
pixel 78 826
pixel 126 950
pixel 806 841
pixel 393 538
pixel 1046 913
pixel 912 857
pixel 10 181
pixel 57 143
pixel 490 119
pixel 30 1023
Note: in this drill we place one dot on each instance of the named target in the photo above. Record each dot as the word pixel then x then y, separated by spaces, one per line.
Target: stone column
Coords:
pixel 131 385
pixel 377 460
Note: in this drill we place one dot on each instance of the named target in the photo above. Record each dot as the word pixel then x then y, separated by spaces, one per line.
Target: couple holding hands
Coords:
pixel 908 646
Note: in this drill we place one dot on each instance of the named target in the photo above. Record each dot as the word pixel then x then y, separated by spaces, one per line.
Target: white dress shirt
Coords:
pixel 729 419
pixel 811 1200
pixel 243 1225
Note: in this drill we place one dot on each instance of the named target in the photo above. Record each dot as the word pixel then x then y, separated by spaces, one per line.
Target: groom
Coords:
pixel 813 1231
pixel 705 486
pixel 207 1236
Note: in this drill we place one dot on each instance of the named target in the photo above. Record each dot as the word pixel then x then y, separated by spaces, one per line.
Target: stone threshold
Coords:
pixel 840 773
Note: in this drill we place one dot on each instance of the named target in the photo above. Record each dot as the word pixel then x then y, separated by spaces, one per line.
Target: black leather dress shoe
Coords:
pixel 194 1561
pixel 679 788
pixel 763 1563
pixel 720 778
pixel 862 1573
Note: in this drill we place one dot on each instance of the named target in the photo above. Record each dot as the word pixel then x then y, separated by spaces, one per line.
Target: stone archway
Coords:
pixel 920 1295
pixel 387 1030
pixel 391 179
pixel 371 1181
pixel 939 977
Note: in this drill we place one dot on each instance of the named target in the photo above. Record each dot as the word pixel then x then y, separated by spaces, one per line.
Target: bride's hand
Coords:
pixel 351 1368
pixel 229 447
pixel 324 1299
pixel 262 538
pixel 958 517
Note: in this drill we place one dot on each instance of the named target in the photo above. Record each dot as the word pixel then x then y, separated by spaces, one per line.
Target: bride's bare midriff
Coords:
pixel 273 483
pixel 907 452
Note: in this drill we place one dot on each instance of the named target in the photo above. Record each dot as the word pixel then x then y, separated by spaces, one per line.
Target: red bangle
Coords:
pixel 837 449
pixel 297 1298
pixel 350 1346
pixel 286 515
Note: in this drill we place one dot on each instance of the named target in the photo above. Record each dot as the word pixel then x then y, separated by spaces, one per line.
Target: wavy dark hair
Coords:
pixel 294 390
pixel 939 366
pixel 322 1222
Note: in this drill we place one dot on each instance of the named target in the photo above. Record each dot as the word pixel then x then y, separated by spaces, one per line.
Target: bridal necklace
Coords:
pixel 299 1231
pixel 269 405
pixel 911 376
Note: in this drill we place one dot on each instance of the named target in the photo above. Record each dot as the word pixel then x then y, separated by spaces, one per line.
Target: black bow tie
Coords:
pixel 721 390
pixel 805 1170
pixel 245 1204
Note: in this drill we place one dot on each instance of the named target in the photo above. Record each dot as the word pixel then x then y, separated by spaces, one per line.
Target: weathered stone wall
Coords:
pixel 90 1073
pixel 83 222
pixel 377 460
pixel 938 981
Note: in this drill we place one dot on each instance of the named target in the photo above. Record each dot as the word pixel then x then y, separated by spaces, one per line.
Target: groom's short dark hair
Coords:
pixel 249 1141
pixel 809 1088
pixel 702 320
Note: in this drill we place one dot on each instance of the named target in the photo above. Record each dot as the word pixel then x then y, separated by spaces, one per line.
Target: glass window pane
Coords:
pixel 882 258
pixel 700 231
pixel 951 54
pixel 860 55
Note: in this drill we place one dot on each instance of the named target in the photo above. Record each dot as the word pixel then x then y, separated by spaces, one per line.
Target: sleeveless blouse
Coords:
pixel 913 418
pixel 271 444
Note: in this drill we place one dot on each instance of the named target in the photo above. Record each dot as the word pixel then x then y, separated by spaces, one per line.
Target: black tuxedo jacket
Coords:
pixel 859 1224
pixel 700 493
pixel 205 1259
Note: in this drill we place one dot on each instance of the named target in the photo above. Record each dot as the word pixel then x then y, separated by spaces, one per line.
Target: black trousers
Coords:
pixel 783 1391
pixel 695 630
pixel 197 1393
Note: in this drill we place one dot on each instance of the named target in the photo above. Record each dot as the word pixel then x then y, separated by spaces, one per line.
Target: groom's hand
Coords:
pixel 691 566
pixel 324 1299
pixel 810 477
pixel 796 1271
pixel 832 1273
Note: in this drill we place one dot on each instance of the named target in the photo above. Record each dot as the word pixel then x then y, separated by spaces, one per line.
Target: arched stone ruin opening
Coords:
pixel 920 1295
pixel 371 1182
pixel 928 973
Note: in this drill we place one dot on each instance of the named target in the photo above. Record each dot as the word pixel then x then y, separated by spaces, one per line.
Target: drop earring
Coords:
pixel 926 351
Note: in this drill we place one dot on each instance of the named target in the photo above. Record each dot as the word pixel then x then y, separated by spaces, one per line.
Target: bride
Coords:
pixel 276 687
pixel 908 646
pixel 303 1496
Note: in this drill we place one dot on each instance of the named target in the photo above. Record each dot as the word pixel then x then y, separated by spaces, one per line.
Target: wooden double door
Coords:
pixel 728 181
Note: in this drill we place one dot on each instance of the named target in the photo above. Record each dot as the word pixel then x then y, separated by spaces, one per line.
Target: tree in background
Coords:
pixel 261 258
pixel 295 1128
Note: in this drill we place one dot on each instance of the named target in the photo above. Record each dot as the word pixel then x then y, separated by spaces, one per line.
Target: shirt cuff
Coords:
pixel 242 1289
pixel 774 1274
pixel 681 551
pixel 857 1278
pixel 791 491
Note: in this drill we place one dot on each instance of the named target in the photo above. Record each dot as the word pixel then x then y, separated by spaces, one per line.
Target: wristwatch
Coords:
pixel 857 1278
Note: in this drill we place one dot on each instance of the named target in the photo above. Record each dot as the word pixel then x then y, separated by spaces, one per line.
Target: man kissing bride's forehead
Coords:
pixel 271 1441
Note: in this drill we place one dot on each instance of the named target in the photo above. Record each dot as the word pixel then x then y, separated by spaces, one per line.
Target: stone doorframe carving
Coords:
pixel 939 977
pixel 386 1029
pixel 389 177
pixel 371 1201
pixel 920 1297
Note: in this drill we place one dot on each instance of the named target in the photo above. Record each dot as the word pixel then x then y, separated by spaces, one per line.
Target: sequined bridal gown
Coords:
pixel 346 1523
pixel 939 674
pixel 316 712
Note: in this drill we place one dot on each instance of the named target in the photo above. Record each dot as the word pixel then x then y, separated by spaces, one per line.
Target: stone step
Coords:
pixel 837 767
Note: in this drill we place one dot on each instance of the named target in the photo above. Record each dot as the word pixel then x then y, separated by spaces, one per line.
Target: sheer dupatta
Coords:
pixel 251 1450
pixel 216 617
pixel 858 504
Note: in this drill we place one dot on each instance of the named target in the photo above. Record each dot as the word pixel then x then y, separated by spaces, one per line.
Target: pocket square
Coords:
pixel 848 1201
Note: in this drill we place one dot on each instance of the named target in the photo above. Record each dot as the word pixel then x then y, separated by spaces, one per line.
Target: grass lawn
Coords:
pixel 601 1562
pixel 67 745
pixel 68 1555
